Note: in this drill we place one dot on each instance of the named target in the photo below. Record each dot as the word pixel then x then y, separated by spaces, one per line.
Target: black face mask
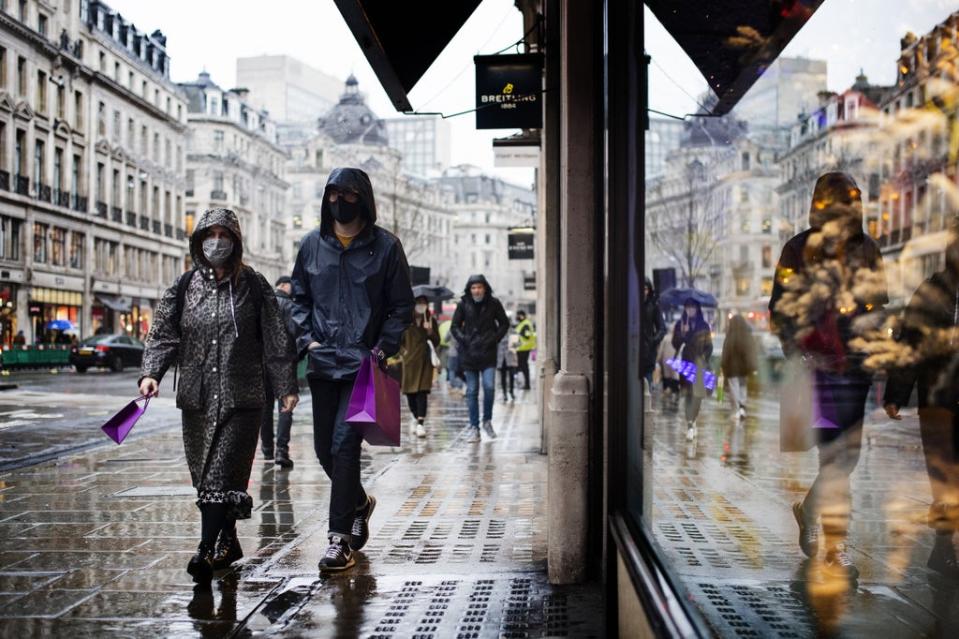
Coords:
pixel 344 212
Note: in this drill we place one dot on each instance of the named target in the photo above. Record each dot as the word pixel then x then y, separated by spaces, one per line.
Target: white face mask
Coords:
pixel 421 309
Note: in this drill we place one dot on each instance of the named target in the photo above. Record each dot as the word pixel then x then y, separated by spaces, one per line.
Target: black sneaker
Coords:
pixel 361 524
pixel 283 459
pixel 227 550
pixel 838 560
pixel 338 555
pixel 268 454
pixel 201 566
pixel 808 534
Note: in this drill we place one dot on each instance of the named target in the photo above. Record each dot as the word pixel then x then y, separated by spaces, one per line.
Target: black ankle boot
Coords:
pixel 227 550
pixel 201 565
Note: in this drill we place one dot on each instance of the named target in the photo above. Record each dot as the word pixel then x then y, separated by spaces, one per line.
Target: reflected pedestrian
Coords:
pixel 507 361
pixel 669 375
pixel 479 324
pixel 829 289
pixel 351 298
pixel 693 341
pixel 526 346
pixel 284 421
pixel 739 361
pixel 417 362
pixel 653 330
pixel 221 322
pixel 930 333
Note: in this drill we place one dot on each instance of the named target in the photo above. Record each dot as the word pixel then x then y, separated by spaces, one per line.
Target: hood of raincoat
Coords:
pixel 348 179
pixel 477 279
pixel 213 217
pixel 836 197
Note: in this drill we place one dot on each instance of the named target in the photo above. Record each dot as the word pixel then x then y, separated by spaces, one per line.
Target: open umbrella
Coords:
pixel 60 325
pixel 433 293
pixel 677 296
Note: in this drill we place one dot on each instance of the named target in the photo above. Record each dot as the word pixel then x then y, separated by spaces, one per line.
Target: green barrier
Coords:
pixel 33 357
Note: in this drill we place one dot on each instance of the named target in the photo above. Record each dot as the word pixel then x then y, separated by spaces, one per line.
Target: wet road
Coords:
pixel 94 544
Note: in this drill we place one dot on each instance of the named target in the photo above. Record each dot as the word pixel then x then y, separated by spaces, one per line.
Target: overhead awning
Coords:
pixel 119 303
pixel 732 42
pixel 401 39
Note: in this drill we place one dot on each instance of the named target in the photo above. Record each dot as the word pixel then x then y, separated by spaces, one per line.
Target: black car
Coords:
pixel 113 351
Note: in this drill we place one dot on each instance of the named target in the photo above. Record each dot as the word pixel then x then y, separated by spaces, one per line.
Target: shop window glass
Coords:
pixel 40 232
pixel 58 246
pixel 764 468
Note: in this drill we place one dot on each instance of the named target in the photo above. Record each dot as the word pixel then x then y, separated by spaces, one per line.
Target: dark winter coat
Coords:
pixel 417 362
pixel 696 342
pixel 285 303
pixel 350 300
pixel 931 314
pixel 478 328
pixel 739 357
pixel 653 330
pixel 817 327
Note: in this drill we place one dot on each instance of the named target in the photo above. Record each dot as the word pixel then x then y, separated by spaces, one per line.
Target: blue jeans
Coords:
pixel 488 376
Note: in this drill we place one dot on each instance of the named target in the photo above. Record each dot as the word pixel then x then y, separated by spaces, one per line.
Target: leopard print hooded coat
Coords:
pixel 230 340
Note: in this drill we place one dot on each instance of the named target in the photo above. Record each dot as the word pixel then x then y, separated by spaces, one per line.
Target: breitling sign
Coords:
pixel 508 91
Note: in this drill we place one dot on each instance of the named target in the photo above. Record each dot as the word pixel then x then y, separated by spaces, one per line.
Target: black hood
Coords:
pixel 836 197
pixel 477 279
pixel 348 179
pixel 653 295
pixel 213 217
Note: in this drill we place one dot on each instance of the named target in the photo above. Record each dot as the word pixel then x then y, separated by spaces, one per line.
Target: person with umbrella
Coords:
pixel 416 354
pixel 693 341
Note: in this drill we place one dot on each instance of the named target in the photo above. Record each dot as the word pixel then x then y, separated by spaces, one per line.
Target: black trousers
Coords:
pixel 418 403
pixel 337 446
pixel 523 357
pixel 507 378
pixel 284 423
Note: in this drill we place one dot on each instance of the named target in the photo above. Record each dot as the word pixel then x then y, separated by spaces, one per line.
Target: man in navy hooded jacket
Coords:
pixel 351 297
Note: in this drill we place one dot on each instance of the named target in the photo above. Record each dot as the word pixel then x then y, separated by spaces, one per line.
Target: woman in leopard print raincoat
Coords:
pixel 228 338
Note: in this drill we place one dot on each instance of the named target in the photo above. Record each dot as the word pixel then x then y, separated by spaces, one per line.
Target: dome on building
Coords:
pixel 351 121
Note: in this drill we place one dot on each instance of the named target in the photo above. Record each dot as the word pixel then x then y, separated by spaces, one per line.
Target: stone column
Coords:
pixel 570 399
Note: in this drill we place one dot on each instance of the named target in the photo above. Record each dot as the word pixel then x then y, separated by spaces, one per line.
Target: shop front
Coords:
pixel 8 314
pixel 55 315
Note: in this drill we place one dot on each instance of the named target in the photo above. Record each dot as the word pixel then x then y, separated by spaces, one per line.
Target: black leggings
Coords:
pixel 507 376
pixel 418 402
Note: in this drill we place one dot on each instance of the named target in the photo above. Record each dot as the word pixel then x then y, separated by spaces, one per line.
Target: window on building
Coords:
pixel 218 181
pixel 103 62
pixel 156 147
pixel 77 243
pixel 144 141
pixel 155 208
pixel 190 181
pixel 115 190
pixel 3 68
pixel 58 246
pixel 101 176
pixel 10 238
pixel 168 153
pixel 22 76
pixel 116 72
pixel 40 232
pixel 39 163
pixel 144 193
pixel 75 173
pixel 78 111
pixel 41 105
pixel 145 89
pixel 189 219
pixel 168 207
pixel 131 192
pixel 57 174
pixel 22 14
pixel 42 21
pixel 218 137
pixel 767 256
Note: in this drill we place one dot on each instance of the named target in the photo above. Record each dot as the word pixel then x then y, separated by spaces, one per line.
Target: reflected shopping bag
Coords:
pixel 796 407
pixel 374 407
pixel 120 425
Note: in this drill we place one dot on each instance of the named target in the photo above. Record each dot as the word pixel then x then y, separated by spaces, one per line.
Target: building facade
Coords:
pixel 788 87
pixel 233 161
pixel 424 143
pixel 289 89
pixel 91 165
pixel 662 138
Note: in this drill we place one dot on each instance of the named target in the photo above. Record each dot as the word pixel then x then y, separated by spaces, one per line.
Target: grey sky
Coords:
pixel 848 34
pixel 211 34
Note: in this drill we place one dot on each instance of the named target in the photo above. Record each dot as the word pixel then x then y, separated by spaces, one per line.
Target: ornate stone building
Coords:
pixel 233 161
pixel 91 165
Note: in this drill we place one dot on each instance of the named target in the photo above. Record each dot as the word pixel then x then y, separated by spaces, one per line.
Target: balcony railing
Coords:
pixel 117 214
pixel 217 195
pixel 131 219
pixel 44 192
pixel 63 199
pixel 144 223
pixel 157 226
pixel 80 203
pixel 22 185
pixel 168 230
pixel 5 180
pixel 101 209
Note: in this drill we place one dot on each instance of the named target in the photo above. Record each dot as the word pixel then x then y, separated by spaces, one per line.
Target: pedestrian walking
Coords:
pixel 652 328
pixel 739 361
pixel 669 375
pixel 351 297
pixel 479 324
pixel 930 337
pixel 527 344
pixel 506 362
pixel 829 289
pixel 222 323
pixel 284 420
pixel 416 357
pixel 693 341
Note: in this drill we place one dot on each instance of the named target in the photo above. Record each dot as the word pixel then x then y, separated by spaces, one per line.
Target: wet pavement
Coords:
pixel 722 516
pixel 94 543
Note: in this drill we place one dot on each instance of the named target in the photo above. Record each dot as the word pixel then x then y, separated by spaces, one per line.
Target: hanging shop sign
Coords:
pixel 529 281
pixel 508 91
pixel 513 156
pixel 520 243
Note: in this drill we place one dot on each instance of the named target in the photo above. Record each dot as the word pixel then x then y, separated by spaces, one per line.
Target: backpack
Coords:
pixel 181 288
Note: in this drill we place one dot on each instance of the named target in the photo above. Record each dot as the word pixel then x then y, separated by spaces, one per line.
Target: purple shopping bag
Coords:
pixel 120 425
pixel 374 407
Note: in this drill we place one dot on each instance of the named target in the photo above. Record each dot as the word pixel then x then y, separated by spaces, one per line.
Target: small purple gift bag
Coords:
pixel 374 407
pixel 120 425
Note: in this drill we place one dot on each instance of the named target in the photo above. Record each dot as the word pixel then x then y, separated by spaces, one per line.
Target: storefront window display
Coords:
pixel 136 323
pixel 55 315
pixel 779 465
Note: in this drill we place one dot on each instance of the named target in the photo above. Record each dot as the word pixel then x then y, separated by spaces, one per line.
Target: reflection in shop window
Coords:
pixel 58 246
pixel 40 242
